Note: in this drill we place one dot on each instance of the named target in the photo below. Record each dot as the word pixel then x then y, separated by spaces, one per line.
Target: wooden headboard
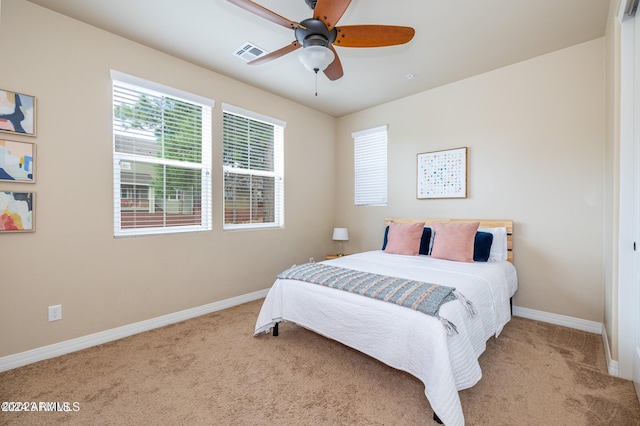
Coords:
pixel 484 223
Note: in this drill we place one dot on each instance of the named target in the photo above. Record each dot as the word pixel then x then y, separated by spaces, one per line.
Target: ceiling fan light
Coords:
pixel 316 58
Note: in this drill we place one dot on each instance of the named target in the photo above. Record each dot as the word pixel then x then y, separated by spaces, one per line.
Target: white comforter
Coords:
pixel 400 337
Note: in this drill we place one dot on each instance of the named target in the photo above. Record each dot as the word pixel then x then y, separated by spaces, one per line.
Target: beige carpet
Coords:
pixel 211 371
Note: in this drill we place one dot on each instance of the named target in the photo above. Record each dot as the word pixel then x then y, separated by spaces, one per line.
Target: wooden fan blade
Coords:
pixel 275 54
pixel 372 35
pixel 334 70
pixel 265 13
pixel 330 11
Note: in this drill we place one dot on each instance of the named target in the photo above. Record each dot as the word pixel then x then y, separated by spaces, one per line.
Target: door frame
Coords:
pixel 629 223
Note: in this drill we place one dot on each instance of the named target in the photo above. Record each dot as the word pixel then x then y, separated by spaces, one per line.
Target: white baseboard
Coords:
pixel 571 322
pixel 612 366
pixel 18 360
pixel 39 354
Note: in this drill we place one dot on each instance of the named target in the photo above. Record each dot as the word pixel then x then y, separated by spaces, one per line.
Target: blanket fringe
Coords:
pixel 449 327
pixel 465 302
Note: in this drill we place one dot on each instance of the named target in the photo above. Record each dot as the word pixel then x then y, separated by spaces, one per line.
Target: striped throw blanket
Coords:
pixel 420 296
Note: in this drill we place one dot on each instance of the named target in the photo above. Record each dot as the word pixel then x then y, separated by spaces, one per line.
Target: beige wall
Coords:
pixel 72 259
pixel 536 137
pixel 535 132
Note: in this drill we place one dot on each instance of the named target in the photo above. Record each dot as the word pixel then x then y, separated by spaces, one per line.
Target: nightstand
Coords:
pixel 335 256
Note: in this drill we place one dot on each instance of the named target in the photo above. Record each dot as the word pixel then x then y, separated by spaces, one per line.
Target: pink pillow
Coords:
pixel 454 241
pixel 404 238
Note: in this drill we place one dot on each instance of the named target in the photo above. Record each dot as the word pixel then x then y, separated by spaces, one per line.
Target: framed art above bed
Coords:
pixel 442 174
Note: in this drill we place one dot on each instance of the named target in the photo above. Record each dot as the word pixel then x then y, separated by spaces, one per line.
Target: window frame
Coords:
pixel 277 173
pixel 365 161
pixel 141 85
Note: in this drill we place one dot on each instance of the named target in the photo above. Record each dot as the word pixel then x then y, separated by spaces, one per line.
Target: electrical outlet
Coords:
pixel 55 313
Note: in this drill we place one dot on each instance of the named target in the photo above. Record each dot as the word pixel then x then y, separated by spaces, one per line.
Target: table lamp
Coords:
pixel 340 235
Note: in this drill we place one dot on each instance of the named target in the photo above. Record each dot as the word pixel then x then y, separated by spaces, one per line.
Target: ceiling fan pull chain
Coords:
pixel 316 70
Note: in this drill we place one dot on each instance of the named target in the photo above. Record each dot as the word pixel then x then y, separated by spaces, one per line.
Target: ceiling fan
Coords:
pixel 318 35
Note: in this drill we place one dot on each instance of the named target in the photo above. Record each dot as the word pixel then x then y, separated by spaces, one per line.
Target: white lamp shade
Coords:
pixel 340 234
pixel 316 58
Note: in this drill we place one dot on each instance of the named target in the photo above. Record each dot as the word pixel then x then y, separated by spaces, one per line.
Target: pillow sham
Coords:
pixel 499 249
pixel 482 246
pixel 454 241
pixel 425 240
pixel 404 238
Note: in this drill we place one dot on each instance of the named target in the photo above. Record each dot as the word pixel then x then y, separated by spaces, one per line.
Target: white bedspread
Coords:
pixel 400 337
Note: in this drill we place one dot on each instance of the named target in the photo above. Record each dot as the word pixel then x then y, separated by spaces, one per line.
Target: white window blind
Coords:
pixel 161 158
pixel 370 154
pixel 253 169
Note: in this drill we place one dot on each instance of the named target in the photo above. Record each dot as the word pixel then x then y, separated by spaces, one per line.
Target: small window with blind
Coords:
pixel 370 154
pixel 161 158
pixel 253 169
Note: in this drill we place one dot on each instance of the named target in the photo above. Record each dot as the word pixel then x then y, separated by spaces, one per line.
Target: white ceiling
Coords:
pixel 454 39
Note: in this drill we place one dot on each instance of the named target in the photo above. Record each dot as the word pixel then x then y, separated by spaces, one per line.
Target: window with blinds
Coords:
pixel 370 154
pixel 253 168
pixel 161 158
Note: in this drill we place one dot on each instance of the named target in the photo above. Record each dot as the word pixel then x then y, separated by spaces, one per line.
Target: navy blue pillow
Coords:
pixel 482 246
pixel 424 240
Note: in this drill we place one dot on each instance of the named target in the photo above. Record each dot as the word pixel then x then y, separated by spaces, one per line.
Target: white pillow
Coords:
pixel 499 244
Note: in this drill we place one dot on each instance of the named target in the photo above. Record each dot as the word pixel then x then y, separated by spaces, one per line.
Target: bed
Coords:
pixel 406 339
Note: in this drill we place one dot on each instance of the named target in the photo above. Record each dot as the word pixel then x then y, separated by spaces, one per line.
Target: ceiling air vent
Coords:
pixel 249 52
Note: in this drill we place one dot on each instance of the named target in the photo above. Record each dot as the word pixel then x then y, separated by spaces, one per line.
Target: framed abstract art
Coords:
pixel 17 161
pixel 17 113
pixel 17 212
pixel 442 174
